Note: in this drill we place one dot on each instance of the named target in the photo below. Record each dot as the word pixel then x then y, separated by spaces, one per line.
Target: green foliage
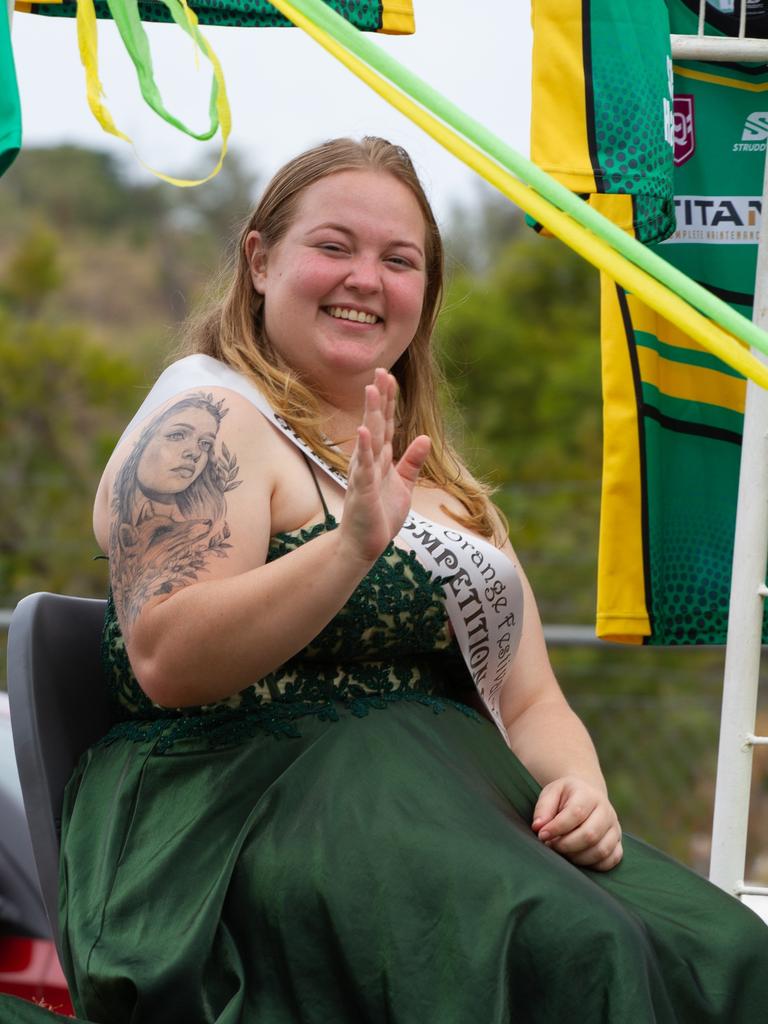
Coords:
pixel 520 346
pixel 522 349
pixel 133 259
pixel 477 233
pixel 33 272
pixel 63 401
pixel 79 190
pixel 83 245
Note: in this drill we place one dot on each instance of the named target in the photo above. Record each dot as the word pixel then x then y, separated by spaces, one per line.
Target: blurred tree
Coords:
pixel 478 231
pixel 33 272
pixel 520 348
pixel 77 189
pixel 136 257
pixel 202 230
pixel 63 402
pixel 219 207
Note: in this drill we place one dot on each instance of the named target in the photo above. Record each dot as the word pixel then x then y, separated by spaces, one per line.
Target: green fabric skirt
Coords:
pixel 375 870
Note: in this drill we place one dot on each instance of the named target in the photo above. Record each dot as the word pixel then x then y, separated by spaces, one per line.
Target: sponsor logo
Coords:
pixel 755 133
pixel 684 129
pixel 725 220
pixel 668 115
pixel 669 122
pixel 756 127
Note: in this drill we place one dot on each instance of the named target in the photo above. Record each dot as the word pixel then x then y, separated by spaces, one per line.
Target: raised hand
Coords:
pixel 577 820
pixel 379 493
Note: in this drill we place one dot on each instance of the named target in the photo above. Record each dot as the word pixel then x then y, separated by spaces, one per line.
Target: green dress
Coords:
pixel 348 842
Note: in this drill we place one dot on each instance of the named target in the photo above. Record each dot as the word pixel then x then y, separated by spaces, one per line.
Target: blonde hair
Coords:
pixel 232 329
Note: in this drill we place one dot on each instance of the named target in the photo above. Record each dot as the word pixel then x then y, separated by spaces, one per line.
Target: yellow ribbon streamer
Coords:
pixel 87 38
pixel 596 251
pixel 88 42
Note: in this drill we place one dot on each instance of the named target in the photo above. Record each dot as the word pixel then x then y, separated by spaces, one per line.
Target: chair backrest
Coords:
pixel 59 707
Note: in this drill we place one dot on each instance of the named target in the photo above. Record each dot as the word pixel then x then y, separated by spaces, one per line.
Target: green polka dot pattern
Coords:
pixel 690 579
pixel 363 14
pixel 630 104
pixel 654 216
pixel 632 154
pixel 691 522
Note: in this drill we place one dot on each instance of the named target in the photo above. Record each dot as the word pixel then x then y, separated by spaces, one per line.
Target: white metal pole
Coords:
pixel 745 617
pixel 718 48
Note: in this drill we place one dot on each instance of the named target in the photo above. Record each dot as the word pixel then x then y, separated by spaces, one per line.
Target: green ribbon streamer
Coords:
pixel 526 171
pixel 125 14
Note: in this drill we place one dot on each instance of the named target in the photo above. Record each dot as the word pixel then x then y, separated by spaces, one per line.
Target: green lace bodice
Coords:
pixel 391 641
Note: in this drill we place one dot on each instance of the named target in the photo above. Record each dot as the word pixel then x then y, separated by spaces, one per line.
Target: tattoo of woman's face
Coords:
pixel 177 453
pixel 169 506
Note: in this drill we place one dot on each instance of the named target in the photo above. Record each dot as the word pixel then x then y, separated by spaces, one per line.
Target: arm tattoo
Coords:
pixel 168 504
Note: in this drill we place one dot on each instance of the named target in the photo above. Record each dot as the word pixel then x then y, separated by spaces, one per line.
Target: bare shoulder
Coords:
pixel 186 496
pixel 444 507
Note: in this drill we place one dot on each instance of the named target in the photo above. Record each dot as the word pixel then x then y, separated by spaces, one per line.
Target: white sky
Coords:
pixel 285 92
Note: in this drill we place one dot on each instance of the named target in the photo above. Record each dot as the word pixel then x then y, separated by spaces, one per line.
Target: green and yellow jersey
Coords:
pixel 673 413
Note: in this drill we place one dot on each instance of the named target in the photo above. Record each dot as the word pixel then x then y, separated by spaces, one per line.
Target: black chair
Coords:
pixel 59 707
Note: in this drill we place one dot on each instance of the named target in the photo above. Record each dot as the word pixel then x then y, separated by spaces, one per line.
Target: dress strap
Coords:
pixel 483 593
pixel 319 489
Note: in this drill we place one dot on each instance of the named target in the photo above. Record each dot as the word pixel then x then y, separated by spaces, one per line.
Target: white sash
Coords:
pixel 483 593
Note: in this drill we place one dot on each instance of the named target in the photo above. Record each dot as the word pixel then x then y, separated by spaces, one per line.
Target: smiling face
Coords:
pixel 344 287
pixel 176 453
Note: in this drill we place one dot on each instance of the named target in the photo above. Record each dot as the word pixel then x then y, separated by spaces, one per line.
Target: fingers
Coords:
pixel 410 465
pixel 379 414
pixel 593 841
pixel 595 860
pixel 362 465
pixel 574 809
pixel 389 409
pixel 547 806
pixel 373 418
pixel 610 861
pixel 371 470
pixel 578 822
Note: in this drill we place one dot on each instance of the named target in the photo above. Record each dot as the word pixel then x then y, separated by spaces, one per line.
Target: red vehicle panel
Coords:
pixel 30 968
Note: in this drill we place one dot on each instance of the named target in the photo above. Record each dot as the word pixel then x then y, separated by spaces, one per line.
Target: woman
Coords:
pixel 307 813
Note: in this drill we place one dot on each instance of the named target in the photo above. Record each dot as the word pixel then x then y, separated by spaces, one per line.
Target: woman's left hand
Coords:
pixel 379 493
pixel 577 820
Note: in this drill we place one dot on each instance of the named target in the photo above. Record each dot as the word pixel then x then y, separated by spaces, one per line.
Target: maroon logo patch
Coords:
pixel 685 132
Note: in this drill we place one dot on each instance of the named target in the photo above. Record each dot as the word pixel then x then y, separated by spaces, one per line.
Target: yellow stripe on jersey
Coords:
pixel 622 615
pixel 560 145
pixel 646 319
pixel 693 383
pixel 730 83
pixel 397 17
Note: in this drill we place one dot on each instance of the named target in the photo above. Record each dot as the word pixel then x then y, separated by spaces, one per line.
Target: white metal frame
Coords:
pixel 748 584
